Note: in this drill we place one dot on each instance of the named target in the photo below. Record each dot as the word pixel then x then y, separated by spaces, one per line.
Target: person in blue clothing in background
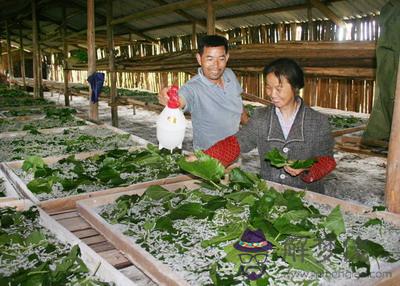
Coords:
pixel 213 96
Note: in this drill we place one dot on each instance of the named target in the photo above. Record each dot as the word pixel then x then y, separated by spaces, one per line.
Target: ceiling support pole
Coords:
pixel 111 64
pixel 392 188
pixel 91 50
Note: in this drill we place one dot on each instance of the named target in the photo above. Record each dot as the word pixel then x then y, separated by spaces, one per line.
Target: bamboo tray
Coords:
pixel 94 262
pixel 162 274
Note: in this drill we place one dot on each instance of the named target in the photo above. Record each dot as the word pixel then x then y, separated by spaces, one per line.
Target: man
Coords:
pixel 212 96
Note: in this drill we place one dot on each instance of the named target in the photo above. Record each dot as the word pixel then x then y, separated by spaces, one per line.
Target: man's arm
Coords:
pixel 163 98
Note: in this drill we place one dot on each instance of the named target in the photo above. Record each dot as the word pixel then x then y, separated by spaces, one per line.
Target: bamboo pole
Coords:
pixel 194 36
pixel 65 55
pixel 36 54
pixel 9 55
pixel 22 56
pixel 210 18
pixel 91 47
pixel 111 62
pixel 392 188
pixel 310 23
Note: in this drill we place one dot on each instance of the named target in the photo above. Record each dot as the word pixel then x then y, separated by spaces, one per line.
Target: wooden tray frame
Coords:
pixel 66 203
pixel 11 193
pixel 93 261
pixel 163 275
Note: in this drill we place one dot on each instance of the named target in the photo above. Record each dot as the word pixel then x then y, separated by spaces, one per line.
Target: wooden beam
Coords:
pixel 22 56
pixel 65 54
pixel 210 18
pixel 111 64
pixel 191 18
pixel 163 9
pixel 328 12
pixel 176 6
pixel 264 12
pixel 9 55
pixel 392 188
pixel 91 46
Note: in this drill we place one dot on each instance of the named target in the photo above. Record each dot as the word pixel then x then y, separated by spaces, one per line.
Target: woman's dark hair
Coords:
pixel 287 68
pixel 212 41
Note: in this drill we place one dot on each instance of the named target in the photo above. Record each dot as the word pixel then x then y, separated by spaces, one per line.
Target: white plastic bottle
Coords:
pixel 171 123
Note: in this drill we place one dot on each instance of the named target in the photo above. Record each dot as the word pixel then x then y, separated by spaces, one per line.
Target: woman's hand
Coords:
pixel 293 172
pixel 191 158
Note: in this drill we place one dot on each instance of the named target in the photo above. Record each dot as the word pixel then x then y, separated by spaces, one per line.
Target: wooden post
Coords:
pixel 310 23
pixel 210 18
pixel 22 56
pixel 36 53
pixel 111 63
pixel 65 55
pixel 91 47
pixel 392 188
pixel 9 56
pixel 194 36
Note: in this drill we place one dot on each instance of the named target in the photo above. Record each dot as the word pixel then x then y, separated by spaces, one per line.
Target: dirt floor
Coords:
pixel 357 178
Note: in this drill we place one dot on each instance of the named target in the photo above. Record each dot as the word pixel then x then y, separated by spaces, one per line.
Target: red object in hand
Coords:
pixel 173 97
pixel 320 169
pixel 226 151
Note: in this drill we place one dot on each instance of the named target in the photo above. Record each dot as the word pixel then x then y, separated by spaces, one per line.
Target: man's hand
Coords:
pixel 293 172
pixel 162 96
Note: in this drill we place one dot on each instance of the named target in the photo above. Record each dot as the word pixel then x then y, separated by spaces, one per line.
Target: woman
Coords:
pixel 288 125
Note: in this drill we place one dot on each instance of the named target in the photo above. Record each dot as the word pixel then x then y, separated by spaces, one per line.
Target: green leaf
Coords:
pixel 233 231
pixel 378 208
pixel 157 192
pixel 285 226
pixel 303 261
pixel 32 163
pixel 164 223
pixel 302 164
pixel 276 158
pixel 205 167
pixel 357 258
pixel 244 179
pixel 189 210
pixel 279 160
pixel 334 221
pixel 35 237
pixel 41 185
pixel 373 249
pixel 373 221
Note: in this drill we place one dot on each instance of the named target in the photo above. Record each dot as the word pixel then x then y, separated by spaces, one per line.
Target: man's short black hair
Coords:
pixel 212 41
pixel 287 68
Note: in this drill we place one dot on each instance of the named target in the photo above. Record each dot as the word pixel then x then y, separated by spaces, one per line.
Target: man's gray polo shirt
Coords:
pixel 215 110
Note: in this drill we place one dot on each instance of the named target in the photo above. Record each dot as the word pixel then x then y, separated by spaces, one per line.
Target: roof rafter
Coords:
pixel 327 12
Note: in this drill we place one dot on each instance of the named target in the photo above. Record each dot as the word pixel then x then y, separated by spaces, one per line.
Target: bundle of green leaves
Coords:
pixel 30 255
pixel 55 117
pixel 114 168
pixel 280 160
pixel 193 231
pixel 5 91
pixel 71 140
pixel 23 101
pixel 341 122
